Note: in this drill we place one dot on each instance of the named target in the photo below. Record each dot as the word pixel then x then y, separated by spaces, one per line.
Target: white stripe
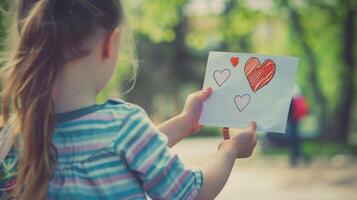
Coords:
pixel 190 183
pixel 112 170
pixel 163 161
pixel 102 161
pixel 125 129
pixel 91 125
pixel 138 141
pixel 130 182
pixel 173 184
pixel 108 137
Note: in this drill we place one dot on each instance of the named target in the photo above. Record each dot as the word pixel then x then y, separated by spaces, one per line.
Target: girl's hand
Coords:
pixel 241 145
pixel 216 172
pixel 193 108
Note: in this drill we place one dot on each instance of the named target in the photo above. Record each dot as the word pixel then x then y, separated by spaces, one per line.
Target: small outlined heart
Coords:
pixel 242 101
pixel 221 76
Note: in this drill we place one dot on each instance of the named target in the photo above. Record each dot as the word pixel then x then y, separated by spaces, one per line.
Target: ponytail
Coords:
pixel 29 86
pixel 50 33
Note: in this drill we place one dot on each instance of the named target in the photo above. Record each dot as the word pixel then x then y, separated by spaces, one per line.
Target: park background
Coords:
pixel 173 38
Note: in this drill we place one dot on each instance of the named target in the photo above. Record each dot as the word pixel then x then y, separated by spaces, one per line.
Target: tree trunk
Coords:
pixel 312 76
pixel 344 110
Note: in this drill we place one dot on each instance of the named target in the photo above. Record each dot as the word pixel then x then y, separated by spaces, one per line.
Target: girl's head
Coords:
pixel 50 34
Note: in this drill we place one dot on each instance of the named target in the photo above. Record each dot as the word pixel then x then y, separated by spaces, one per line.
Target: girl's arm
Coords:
pixel 216 173
pixel 185 123
pixel 175 129
pixel 162 174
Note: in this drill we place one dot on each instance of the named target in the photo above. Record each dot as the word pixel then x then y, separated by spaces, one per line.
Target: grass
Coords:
pixel 207 132
pixel 315 148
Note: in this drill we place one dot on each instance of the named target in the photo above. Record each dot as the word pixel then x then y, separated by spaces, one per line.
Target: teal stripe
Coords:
pixel 107 112
pixel 84 193
pixel 107 153
pixel 106 170
pixel 143 129
pixel 168 179
pixel 67 116
pixel 81 123
pixel 127 132
pixel 88 134
pixel 63 117
pixel 144 154
pixel 187 186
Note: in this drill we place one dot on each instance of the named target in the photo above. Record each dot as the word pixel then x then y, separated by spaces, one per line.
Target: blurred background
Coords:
pixel 316 158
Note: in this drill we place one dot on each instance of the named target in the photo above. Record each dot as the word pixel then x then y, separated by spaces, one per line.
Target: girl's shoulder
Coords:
pixel 123 107
pixel 121 103
pixel 112 109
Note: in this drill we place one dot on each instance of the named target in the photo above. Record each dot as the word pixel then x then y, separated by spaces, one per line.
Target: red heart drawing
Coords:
pixel 259 75
pixel 235 61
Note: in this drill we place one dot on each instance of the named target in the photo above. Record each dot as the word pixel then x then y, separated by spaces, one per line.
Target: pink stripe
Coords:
pixel 150 161
pixel 158 178
pixel 91 182
pixel 139 145
pixel 81 148
pixel 177 184
pixel 193 194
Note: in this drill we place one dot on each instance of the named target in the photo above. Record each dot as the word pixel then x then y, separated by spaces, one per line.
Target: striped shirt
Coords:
pixel 113 151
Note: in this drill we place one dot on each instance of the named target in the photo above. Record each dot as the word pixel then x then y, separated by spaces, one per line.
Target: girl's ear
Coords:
pixel 111 44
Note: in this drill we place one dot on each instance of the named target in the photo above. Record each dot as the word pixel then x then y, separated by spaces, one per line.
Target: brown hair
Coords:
pixel 50 33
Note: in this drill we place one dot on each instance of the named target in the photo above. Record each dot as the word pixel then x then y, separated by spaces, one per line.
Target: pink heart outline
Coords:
pixel 242 101
pixel 221 76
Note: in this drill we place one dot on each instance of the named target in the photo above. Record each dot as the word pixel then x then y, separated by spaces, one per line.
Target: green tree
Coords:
pixel 338 25
pixel 4 21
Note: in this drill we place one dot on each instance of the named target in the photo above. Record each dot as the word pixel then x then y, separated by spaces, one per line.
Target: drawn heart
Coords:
pixel 242 101
pixel 235 61
pixel 259 75
pixel 221 76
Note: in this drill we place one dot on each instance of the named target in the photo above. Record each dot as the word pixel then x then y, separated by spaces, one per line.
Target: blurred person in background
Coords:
pixel 299 109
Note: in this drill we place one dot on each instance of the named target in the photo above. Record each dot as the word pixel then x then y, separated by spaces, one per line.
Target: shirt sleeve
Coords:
pixel 163 175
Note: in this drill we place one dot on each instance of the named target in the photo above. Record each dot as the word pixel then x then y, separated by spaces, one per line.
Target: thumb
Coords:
pixel 252 126
pixel 204 94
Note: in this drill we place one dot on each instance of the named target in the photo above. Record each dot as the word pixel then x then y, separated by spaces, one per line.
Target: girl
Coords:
pixel 68 146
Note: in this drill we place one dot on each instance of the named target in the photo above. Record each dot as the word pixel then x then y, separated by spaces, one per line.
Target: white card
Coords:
pixel 249 87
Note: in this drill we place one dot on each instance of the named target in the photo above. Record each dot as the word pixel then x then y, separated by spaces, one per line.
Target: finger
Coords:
pixel 204 94
pixel 252 126
pixel 209 91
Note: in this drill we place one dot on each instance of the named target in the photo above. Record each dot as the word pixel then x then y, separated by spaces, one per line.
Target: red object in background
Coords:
pixel 226 133
pixel 301 108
